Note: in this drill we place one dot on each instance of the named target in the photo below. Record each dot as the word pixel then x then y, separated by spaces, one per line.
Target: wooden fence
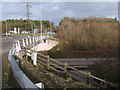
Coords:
pixel 52 64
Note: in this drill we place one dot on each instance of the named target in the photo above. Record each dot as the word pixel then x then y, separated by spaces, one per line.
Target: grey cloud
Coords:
pixel 58 10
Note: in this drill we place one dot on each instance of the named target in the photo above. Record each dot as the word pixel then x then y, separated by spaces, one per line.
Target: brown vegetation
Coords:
pixel 109 71
pixel 88 33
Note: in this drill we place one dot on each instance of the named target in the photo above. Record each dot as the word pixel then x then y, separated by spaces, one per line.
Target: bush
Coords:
pixel 109 70
pixel 88 33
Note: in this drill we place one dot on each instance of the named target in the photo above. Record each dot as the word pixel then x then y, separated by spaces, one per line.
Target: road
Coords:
pixel 8 43
pixel 5 44
pixel 84 62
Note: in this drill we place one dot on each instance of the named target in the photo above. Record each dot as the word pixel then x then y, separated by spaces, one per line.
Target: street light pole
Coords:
pixel 50 28
pixel 28 16
pixel 41 20
pixel 6 27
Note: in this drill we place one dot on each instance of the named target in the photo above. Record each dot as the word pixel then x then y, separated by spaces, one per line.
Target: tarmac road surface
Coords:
pixel 5 44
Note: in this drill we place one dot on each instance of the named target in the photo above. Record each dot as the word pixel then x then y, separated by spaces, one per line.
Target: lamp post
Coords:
pixel 41 20
pixel 6 27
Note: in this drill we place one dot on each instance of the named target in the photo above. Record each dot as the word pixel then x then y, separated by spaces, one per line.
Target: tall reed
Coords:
pixel 88 34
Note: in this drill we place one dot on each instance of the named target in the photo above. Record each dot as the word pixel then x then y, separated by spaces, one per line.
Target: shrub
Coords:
pixel 88 33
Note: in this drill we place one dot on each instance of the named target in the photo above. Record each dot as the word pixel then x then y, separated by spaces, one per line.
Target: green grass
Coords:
pixel 20 34
pixel 31 35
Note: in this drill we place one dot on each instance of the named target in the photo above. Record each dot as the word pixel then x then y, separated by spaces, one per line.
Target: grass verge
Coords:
pixel 49 79
pixel 9 80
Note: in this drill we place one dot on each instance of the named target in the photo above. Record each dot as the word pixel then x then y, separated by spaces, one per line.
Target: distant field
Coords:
pixel 32 34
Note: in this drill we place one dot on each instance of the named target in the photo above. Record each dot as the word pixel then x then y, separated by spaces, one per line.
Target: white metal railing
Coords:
pixel 22 79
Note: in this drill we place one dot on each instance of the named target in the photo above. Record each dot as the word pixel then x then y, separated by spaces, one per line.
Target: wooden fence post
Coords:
pixel 105 84
pixel 88 79
pixel 48 62
pixel 65 69
pixel 26 53
pixel 31 55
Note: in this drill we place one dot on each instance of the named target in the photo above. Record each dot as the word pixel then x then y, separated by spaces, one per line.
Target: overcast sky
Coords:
pixel 55 11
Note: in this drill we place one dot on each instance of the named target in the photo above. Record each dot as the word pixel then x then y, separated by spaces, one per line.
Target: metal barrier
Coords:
pixel 21 78
pixel 50 62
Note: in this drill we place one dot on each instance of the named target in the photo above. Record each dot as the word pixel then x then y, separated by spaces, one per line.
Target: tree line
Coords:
pixel 22 24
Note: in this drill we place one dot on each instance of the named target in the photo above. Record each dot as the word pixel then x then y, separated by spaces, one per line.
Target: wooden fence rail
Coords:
pixel 51 63
pixel 65 67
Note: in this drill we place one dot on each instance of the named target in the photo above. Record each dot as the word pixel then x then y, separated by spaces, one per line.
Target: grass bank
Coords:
pixel 49 78
pixel 109 71
pixel 61 51
pixel 9 81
